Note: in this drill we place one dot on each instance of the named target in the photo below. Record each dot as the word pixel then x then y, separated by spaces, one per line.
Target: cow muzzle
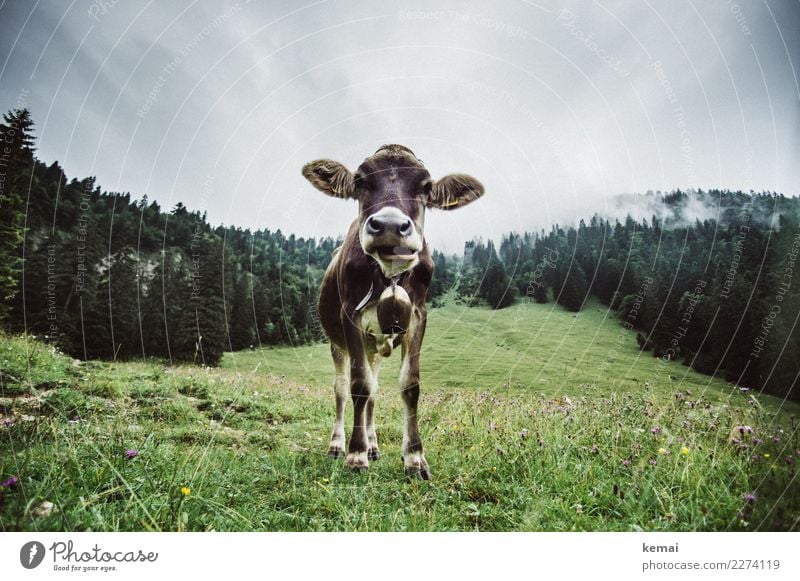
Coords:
pixel 391 237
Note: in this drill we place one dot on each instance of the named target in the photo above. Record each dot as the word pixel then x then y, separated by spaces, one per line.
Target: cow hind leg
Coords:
pixel 341 387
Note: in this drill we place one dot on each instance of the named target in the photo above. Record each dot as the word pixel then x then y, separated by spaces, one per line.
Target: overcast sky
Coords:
pixel 556 107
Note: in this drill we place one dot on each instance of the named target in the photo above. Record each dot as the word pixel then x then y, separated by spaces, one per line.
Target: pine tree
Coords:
pixel 573 290
pixel 242 324
pixel 539 291
pixel 122 305
pixel 495 288
pixel 16 166
pixel 202 334
pixel 165 297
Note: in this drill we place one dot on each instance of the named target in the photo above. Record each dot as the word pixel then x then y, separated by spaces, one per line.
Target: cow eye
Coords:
pixel 426 188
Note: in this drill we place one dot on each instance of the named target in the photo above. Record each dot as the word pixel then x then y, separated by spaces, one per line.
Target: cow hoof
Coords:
pixel 335 452
pixel 416 466
pixel 357 461
pixel 418 472
pixel 374 454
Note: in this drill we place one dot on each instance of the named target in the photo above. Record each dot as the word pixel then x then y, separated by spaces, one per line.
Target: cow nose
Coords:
pixel 380 224
pixel 375 225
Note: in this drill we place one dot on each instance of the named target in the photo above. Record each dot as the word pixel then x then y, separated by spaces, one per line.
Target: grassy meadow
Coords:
pixel 532 418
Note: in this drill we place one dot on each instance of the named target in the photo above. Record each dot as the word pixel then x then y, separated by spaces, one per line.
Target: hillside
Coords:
pixel 527 346
pixel 534 418
pixel 705 277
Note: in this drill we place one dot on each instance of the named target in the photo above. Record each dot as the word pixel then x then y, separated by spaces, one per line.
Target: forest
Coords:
pixel 101 275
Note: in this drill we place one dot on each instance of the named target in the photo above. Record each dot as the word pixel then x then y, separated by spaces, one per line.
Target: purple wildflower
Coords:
pixel 750 498
pixel 595 449
pixel 626 462
pixel 656 430
pixel 132 453
pixel 653 462
pixel 776 439
pixel 745 429
pixel 10 483
pixel 757 441
pixel 523 433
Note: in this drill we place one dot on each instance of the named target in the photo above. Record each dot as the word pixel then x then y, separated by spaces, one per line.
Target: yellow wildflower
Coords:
pixel 185 490
pixel 685 451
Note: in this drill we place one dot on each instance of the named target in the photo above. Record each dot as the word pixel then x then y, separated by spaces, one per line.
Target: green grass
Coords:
pixel 532 419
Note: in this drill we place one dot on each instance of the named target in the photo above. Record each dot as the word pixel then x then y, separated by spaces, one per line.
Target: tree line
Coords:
pixel 721 295
pixel 100 275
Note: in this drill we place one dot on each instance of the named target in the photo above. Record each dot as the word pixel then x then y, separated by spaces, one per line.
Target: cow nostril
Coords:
pixel 405 228
pixel 374 226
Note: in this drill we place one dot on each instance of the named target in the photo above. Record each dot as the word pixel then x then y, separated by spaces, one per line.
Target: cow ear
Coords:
pixel 455 191
pixel 330 177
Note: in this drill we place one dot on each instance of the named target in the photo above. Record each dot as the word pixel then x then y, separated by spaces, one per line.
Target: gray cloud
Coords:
pixel 556 107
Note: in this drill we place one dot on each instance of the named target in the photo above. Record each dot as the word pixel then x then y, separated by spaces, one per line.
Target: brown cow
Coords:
pixel 373 293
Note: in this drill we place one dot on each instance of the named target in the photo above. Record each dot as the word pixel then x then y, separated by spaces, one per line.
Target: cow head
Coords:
pixel 393 190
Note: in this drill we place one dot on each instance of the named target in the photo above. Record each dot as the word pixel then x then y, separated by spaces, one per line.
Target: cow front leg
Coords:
pixel 373 452
pixel 413 457
pixel 360 391
pixel 341 386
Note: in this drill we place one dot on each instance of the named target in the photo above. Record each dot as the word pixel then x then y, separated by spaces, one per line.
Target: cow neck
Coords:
pixel 382 283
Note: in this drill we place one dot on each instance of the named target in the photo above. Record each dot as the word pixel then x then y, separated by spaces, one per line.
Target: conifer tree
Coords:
pixel 16 166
